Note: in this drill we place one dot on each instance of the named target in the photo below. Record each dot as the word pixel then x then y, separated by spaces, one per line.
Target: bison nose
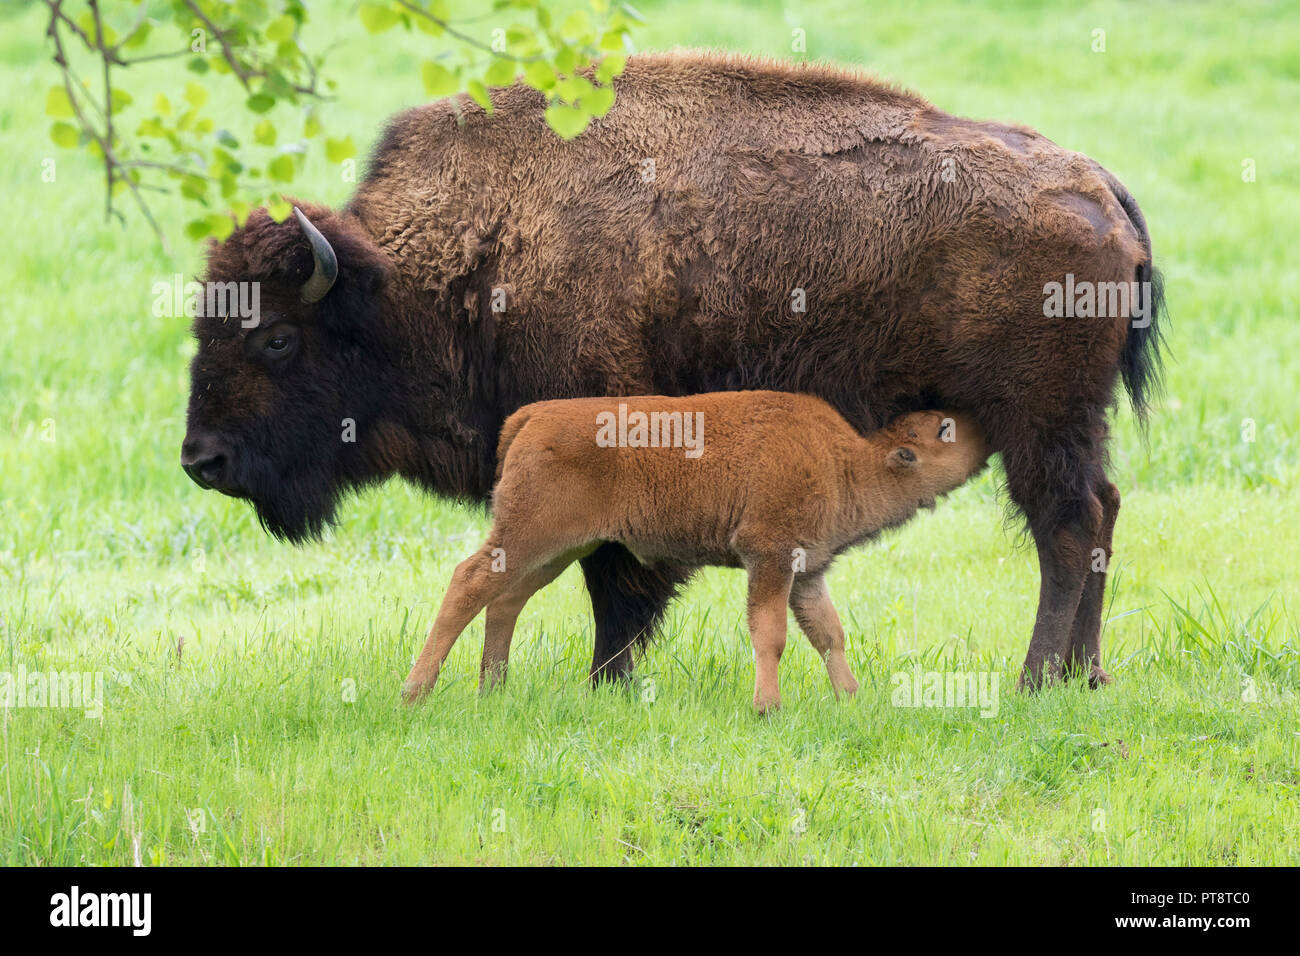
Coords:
pixel 207 461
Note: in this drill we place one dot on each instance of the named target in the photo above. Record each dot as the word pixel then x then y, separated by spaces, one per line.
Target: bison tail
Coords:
pixel 1141 362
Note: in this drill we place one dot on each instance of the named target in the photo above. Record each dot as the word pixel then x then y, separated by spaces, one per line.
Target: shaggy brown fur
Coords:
pixel 485 264
pixel 779 485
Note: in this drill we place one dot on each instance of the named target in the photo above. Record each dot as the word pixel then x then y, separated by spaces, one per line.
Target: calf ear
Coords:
pixel 901 459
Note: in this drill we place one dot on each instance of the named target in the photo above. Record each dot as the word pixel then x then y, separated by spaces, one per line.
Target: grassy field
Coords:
pixel 250 710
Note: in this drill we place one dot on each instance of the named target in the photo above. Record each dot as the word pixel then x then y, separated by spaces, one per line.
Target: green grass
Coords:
pixel 274 734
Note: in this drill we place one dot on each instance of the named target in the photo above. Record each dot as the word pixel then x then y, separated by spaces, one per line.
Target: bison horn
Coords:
pixel 327 264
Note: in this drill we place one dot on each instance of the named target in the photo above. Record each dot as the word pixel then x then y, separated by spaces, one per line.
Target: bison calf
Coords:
pixel 775 483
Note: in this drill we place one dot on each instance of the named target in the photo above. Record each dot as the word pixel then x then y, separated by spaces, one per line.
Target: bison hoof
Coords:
pixel 1032 681
pixel 1098 678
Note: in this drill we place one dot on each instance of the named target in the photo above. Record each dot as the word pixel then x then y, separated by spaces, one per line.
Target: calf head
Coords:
pixel 932 452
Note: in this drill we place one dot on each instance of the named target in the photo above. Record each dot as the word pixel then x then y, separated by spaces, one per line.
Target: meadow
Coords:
pixel 250 709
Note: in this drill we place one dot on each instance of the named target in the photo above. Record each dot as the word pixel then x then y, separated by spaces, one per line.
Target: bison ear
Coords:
pixel 901 459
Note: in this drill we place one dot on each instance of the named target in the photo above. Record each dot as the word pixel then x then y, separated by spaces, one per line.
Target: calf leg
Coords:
pixel 499 627
pixel 769 592
pixel 1085 635
pixel 810 600
pixel 475 584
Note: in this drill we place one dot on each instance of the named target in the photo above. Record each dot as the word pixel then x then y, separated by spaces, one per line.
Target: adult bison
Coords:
pixel 732 223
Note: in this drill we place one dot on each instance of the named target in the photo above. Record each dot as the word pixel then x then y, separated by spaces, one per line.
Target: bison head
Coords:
pixel 285 387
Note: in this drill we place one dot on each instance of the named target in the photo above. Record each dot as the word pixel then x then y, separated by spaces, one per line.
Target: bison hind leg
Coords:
pixel 1056 478
pixel 1085 635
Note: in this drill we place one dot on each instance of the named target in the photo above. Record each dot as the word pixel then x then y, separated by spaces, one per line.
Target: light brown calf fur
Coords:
pixel 783 485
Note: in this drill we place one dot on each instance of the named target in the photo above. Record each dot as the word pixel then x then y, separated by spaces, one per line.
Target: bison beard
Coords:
pixel 295 507
pixel 732 223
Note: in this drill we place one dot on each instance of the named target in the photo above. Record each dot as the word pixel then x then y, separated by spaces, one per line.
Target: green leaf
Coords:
pixel 438 80
pixel 57 103
pixel 571 89
pixel 311 126
pixel 260 102
pixel 198 229
pixel 521 40
pixel 378 17
pixel 613 41
pixel 278 209
pixel 479 94
pixel 425 25
pixel 337 150
pixel 281 29
pixel 576 25
pixel 264 133
pixel 220 226
pixel 599 100
pixel 65 135
pixel 539 76
pixel 610 67
pixel 567 121
pixel 140 36
pixel 566 60
pixel 194 187
pixel 152 126
pixel 121 99
pixel 224 163
pixel 195 95
pixel 501 73
pixel 162 105
pixel 282 168
pixel 86 20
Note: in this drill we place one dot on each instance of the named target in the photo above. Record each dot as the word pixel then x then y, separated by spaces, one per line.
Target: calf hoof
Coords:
pixel 766 705
pixel 412 691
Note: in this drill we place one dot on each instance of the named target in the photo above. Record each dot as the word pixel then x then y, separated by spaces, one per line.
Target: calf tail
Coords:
pixel 509 431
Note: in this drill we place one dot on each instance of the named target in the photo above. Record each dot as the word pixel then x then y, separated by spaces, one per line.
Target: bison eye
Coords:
pixel 276 344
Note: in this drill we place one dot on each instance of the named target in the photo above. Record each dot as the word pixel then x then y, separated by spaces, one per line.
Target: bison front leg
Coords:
pixel 627 600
